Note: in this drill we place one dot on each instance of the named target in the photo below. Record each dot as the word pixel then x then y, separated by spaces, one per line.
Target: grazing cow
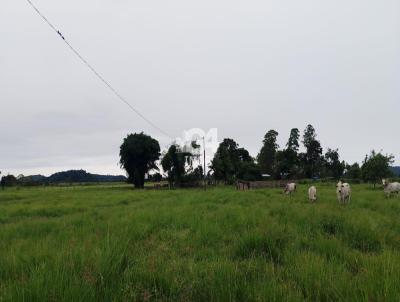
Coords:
pixel 290 188
pixel 312 194
pixel 343 192
pixel 390 187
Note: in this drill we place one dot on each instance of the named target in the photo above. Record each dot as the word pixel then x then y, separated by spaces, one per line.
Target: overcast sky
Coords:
pixel 242 67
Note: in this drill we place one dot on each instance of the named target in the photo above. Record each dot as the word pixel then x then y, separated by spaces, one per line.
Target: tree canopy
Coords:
pixel 287 160
pixel 173 163
pixel 376 166
pixel 311 159
pixel 138 155
pixel 177 162
pixel 289 163
pixel 353 171
pixel 231 163
pixel 293 142
pixel 333 166
pixel 266 157
pixel 8 181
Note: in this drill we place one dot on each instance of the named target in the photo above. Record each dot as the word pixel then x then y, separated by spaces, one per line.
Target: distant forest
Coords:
pixel 141 158
pixel 396 170
pixel 140 155
pixel 71 176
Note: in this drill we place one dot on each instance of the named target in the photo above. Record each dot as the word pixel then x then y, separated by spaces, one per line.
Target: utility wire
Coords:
pixel 97 74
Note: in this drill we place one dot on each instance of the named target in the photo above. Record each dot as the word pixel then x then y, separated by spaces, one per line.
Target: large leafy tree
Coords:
pixel 266 157
pixel 286 164
pixel 334 168
pixel 309 135
pixel 246 168
pixel 231 162
pixel 174 163
pixel 287 161
pixel 224 162
pixel 312 158
pixel 138 155
pixel 353 171
pixel 8 181
pixel 293 142
pixel 376 166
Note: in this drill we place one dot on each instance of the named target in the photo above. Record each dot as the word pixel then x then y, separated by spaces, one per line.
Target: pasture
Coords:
pixel 112 243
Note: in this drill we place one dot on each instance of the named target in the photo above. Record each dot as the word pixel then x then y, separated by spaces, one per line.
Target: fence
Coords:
pixel 247 185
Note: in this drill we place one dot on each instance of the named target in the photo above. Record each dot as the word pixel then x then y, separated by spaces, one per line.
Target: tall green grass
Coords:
pixel 112 243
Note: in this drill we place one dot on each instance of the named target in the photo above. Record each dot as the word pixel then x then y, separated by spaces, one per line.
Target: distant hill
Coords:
pixel 73 176
pixel 396 170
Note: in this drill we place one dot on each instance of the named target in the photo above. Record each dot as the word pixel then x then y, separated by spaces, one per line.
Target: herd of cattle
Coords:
pixel 343 190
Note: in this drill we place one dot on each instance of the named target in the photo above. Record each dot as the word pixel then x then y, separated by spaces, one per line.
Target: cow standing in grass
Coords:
pixel 312 194
pixel 390 188
pixel 290 188
pixel 343 192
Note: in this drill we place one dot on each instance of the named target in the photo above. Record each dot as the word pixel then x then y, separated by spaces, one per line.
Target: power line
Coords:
pixel 96 73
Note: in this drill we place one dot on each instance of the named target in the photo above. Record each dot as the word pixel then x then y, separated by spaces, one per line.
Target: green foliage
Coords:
pixel 311 160
pixel 249 170
pixel 333 167
pixel 138 155
pixel 112 243
pixel 173 163
pixel 376 166
pixel 157 177
pixel 8 181
pixel 266 157
pixel 293 142
pixel 231 162
pixel 286 163
pixel 353 171
pixel 309 136
pixel 194 176
pixel 198 172
pixel 224 163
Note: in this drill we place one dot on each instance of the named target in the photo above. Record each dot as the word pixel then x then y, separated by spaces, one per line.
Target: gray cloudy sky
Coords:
pixel 240 66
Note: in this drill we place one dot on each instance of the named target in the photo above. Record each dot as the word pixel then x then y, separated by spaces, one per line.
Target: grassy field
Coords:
pixel 111 243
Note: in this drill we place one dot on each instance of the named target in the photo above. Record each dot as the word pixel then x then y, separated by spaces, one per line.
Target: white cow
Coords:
pixel 312 194
pixel 343 192
pixel 290 188
pixel 390 187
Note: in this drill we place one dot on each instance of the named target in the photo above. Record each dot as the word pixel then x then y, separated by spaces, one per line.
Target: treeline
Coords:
pixel 71 176
pixel 231 162
pixel 140 155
